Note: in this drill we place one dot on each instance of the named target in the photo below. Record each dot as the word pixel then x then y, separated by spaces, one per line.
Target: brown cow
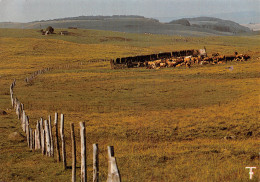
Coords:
pixel 204 62
pixel 150 65
pixel 170 63
pixel 246 57
pixel 208 59
pixel 157 62
pixel 187 59
pixel 162 64
pixel 230 57
pixel 215 54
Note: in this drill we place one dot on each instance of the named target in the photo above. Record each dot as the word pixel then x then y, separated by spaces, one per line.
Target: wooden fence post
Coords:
pixel 17 107
pixel 21 117
pixel 113 172
pixel 83 152
pixel 63 141
pixel 12 99
pixel 43 141
pixel 24 121
pixel 73 152
pixel 31 138
pixel 42 136
pixel 56 136
pixel 22 107
pixel 15 99
pixel 27 131
pixel 38 136
pixel 47 134
pixel 35 139
pixel 51 140
pixel 95 163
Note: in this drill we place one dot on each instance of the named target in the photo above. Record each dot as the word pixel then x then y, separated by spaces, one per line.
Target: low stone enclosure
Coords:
pixel 45 137
pixel 139 61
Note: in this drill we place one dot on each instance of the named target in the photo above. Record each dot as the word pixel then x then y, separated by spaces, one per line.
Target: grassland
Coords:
pixel 166 125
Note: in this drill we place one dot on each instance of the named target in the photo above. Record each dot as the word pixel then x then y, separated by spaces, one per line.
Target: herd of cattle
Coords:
pixel 176 59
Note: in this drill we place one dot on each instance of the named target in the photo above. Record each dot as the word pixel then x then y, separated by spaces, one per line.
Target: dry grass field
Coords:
pixel 166 125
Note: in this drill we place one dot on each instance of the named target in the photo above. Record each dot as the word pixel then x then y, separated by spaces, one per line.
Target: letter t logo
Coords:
pixel 251 171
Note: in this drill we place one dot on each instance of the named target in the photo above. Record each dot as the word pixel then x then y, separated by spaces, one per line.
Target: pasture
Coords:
pixel 166 125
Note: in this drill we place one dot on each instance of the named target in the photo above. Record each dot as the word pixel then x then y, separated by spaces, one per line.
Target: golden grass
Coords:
pixel 166 125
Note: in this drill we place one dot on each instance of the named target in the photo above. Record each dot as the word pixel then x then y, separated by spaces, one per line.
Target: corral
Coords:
pixel 140 61
pixel 175 59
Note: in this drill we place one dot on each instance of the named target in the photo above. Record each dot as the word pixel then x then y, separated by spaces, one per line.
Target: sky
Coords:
pixel 34 10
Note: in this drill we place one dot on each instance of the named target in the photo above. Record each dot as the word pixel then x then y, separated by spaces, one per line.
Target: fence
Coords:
pixel 44 70
pixel 42 138
pixel 138 61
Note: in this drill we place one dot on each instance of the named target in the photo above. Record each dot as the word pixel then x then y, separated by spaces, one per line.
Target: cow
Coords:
pixel 162 64
pixel 204 62
pixel 208 59
pixel 218 58
pixel 179 60
pixel 188 64
pixel 230 57
pixel 150 65
pixel 157 62
pixel 246 57
pixel 193 60
pixel 215 54
pixel 169 63
pixel 187 59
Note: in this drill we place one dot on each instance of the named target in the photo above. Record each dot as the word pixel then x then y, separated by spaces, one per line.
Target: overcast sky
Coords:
pixel 32 10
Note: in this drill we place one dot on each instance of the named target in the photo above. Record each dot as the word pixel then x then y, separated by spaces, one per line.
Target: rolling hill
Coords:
pixel 202 26
pixel 218 24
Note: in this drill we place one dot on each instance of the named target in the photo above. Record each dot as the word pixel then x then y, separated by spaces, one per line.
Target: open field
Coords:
pixel 165 125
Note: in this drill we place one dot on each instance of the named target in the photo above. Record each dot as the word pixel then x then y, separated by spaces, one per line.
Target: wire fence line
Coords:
pixel 49 139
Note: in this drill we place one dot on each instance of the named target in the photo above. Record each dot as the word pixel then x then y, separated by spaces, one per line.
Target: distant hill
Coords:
pixel 99 17
pixel 218 24
pixel 202 26
pixel 182 21
pixel 241 17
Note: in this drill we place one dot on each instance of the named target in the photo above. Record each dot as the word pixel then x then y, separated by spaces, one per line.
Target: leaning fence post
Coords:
pixel 51 140
pixel 73 152
pixel 113 172
pixel 38 135
pixel 12 100
pixel 56 136
pixel 22 107
pixel 63 141
pixel 83 152
pixel 95 163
